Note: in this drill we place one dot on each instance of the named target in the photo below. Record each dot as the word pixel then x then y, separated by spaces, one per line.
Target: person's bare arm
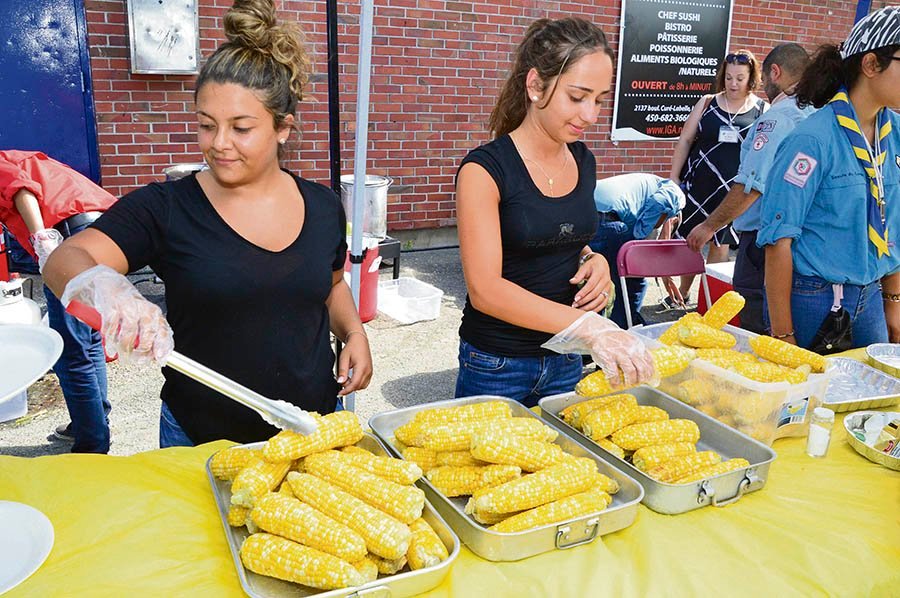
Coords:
pixel 779 280
pixel 735 203
pixel 79 252
pixel 29 209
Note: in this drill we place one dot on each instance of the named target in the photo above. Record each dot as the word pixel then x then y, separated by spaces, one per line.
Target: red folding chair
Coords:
pixel 671 257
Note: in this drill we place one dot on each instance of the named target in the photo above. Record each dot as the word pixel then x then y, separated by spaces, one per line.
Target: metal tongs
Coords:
pixel 280 414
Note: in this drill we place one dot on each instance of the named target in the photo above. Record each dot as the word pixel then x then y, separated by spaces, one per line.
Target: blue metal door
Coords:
pixel 46 102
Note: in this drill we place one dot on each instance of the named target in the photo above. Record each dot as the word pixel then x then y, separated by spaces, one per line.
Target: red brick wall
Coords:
pixel 437 67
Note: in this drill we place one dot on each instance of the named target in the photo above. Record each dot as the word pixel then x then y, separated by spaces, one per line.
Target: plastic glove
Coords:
pixel 44 242
pixel 610 347
pixel 132 326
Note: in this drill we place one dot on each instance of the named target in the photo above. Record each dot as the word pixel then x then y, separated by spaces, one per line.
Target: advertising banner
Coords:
pixel 669 53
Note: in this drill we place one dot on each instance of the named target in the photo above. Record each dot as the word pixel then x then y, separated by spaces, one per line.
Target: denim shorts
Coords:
pixel 170 432
pixel 524 379
pixel 811 300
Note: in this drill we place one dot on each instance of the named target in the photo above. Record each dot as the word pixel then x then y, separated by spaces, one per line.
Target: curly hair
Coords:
pixel 261 54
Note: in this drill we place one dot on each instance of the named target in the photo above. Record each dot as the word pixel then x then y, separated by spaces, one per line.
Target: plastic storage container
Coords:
pixel 374 217
pixel 408 300
pixel 765 411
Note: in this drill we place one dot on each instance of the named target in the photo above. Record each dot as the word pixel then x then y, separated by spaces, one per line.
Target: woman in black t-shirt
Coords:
pixel 525 211
pixel 252 256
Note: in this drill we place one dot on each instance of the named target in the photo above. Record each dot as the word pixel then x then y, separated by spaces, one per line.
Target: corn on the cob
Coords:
pixel 489 518
pixel 294 520
pixel 713 470
pixel 256 480
pixel 769 372
pixel 285 489
pixel 426 548
pixel 724 309
pixel 667 361
pixel 462 480
pixel 651 456
pixel 683 466
pixel 395 470
pixel 694 392
pixel 611 447
pixel 603 482
pixel 458 436
pixel 729 355
pixel 227 463
pixel 407 433
pixel 701 336
pixel 237 515
pixel 457 459
pixel 425 458
pixel 648 413
pixel 270 555
pixel 574 414
pixel 508 449
pixel 384 535
pixel 367 568
pixel 535 489
pixel 405 503
pixel 670 336
pixel 665 432
pixel 334 430
pixel 602 422
pixel 388 566
pixel 583 503
pixel 786 354
pixel 464 413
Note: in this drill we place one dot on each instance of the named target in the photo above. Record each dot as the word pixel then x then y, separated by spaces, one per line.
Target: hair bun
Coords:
pixel 250 23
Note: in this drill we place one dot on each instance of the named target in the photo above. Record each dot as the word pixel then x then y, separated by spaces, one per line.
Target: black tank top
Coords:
pixel 542 238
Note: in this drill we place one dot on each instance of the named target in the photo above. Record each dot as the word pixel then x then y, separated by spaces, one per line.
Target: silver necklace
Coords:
pixel 538 164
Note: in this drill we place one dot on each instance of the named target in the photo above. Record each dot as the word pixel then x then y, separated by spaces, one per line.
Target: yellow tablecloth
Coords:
pixel 147 524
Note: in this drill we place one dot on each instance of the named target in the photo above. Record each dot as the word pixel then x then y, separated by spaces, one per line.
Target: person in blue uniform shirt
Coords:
pixel 781 70
pixel 831 209
pixel 630 207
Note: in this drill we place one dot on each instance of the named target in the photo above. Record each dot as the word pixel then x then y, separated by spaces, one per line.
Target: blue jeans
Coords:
pixel 611 235
pixel 170 432
pixel 524 379
pixel 811 299
pixel 81 370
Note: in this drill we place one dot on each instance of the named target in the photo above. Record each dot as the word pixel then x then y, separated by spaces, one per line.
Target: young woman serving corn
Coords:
pixel 252 255
pixel 525 214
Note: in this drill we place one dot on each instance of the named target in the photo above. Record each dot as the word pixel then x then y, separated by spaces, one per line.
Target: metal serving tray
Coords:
pixel 672 499
pixel 855 385
pixel 408 583
pixel 496 546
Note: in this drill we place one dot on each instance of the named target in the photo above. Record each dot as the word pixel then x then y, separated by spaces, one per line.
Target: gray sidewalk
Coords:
pixel 414 363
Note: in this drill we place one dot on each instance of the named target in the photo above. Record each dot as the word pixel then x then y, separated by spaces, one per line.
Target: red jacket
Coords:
pixel 61 192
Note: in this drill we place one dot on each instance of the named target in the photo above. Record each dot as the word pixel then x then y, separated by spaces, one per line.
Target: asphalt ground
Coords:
pixel 413 364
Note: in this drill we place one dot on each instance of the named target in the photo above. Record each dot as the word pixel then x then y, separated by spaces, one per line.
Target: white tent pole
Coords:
pixel 364 68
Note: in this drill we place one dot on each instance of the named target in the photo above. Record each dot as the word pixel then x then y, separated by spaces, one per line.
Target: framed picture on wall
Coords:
pixel 165 36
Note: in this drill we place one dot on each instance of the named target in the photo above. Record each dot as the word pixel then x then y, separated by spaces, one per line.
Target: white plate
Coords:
pixel 27 540
pixel 26 353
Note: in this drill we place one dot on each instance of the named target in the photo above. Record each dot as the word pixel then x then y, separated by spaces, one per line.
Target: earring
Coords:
pixel 534 98
pixel 282 141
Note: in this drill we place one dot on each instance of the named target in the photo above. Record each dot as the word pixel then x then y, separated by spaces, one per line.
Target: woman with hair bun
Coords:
pixel 525 214
pixel 252 255
pixel 831 210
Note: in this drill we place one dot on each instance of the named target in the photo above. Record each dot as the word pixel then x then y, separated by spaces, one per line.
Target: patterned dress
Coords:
pixel 712 165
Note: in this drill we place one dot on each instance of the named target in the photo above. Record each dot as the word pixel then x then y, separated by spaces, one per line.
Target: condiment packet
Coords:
pixel 888 441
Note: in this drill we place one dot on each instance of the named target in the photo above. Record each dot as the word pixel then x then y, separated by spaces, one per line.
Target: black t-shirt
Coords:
pixel 542 238
pixel 254 315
